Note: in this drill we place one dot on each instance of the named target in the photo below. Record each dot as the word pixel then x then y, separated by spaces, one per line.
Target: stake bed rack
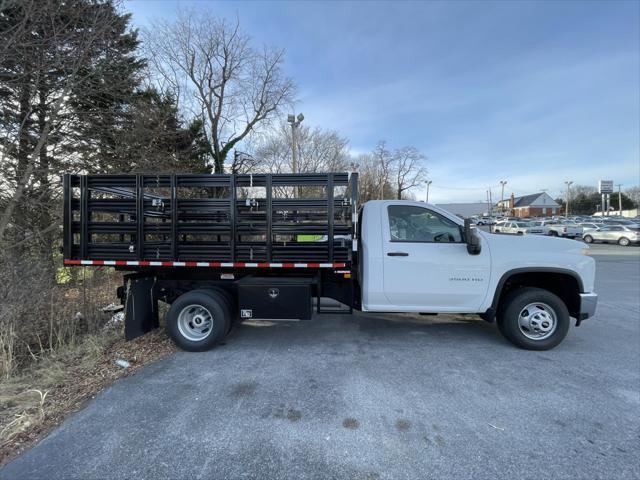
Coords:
pixel 252 220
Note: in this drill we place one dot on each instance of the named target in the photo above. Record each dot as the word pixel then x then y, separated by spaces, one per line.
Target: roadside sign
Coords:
pixel 605 186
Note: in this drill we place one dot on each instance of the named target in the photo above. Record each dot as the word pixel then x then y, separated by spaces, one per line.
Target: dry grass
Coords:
pixel 7 350
pixel 57 348
pixel 59 383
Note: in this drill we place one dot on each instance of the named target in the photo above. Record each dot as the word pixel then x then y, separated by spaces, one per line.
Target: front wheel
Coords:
pixel 624 242
pixel 533 318
pixel 588 239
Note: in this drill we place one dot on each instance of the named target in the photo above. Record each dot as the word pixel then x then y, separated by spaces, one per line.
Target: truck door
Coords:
pixel 426 264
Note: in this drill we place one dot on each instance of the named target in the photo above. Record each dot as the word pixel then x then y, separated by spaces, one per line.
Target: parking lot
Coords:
pixel 371 397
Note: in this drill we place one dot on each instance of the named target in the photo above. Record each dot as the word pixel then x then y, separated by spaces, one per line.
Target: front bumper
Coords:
pixel 588 303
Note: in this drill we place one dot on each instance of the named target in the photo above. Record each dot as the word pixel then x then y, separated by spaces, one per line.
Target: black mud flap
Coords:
pixel 141 306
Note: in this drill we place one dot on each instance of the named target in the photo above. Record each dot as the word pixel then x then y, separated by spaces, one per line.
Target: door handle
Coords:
pixel 398 254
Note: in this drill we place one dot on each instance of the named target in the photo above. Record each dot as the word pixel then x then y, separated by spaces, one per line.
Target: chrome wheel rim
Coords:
pixel 195 323
pixel 537 321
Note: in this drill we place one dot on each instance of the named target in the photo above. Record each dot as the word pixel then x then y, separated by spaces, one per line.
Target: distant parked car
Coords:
pixel 557 228
pixel 588 226
pixel 538 227
pixel 517 228
pixel 485 221
pixel 616 221
pixel 620 234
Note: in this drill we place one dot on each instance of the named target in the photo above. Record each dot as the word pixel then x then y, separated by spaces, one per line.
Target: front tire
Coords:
pixel 198 320
pixel 588 239
pixel 533 318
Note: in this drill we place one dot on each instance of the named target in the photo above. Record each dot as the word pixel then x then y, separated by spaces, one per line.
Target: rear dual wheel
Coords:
pixel 198 320
pixel 533 318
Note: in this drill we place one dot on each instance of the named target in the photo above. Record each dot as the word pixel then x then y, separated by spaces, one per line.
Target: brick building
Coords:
pixel 535 205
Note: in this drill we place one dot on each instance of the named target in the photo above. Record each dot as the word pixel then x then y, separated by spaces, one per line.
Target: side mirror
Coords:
pixel 472 239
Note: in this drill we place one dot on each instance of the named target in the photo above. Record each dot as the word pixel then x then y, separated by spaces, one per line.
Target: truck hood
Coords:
pixel 511 252
pixel 527 243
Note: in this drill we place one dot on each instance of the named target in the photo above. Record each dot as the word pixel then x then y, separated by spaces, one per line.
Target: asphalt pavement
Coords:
pixel 372 397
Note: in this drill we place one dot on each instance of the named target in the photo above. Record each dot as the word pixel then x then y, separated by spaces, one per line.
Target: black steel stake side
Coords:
pixel 67 216
pixel 140 217
pixel 84 214
pixel 330 214
pixel 126 196
pixel 269 238
pixel 353 258
pixel 232 215
pixel 174 217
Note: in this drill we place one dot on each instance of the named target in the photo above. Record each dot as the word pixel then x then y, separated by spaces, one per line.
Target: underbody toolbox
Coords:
pixel 275 297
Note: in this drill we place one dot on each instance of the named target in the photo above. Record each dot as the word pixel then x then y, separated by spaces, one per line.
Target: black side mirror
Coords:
pixel 472 239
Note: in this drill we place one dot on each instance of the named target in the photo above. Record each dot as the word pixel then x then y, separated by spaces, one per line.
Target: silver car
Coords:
pixel 620 234
pixel 518 228
pixel 589 226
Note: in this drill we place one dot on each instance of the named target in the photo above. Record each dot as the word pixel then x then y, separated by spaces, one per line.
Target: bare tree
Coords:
pixel 389 174
pixel 634 195
pixel 319 150
pixel 217 76
pixel 369 177
pixel 408 169
pixel 384 158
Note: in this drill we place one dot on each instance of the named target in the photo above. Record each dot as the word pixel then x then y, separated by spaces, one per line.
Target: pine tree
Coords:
pixel 68 71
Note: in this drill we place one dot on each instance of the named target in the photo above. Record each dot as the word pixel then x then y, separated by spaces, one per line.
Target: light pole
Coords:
pixel 295 124
pixel 428 182
pixel 568 183
pixel 503 183
pixel 620 199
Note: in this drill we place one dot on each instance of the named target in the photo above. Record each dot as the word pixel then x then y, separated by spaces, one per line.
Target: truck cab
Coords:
pixel 416 258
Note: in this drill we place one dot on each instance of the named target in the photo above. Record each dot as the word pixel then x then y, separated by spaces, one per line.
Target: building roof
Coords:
pixel 541 199
pixel 526 200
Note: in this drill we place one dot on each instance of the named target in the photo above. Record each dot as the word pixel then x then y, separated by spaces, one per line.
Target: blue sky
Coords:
pixel 534 93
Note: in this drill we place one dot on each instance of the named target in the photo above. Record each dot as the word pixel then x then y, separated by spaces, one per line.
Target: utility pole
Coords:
pixel 489 208
pixel 428 182
pixel 502 183
pixel 620 199
pixel 568 183
pixel 295 124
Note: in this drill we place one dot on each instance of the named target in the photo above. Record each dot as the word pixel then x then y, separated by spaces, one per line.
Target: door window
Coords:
pixel 409 223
